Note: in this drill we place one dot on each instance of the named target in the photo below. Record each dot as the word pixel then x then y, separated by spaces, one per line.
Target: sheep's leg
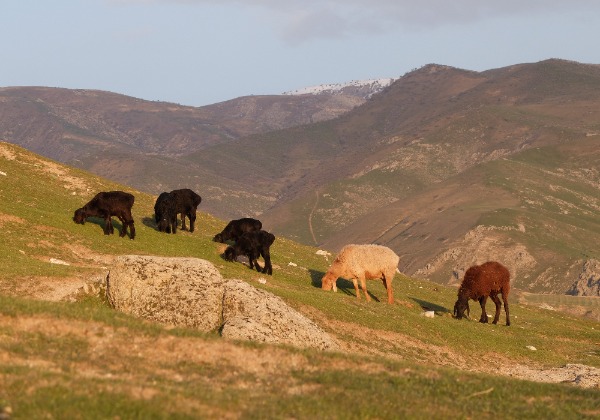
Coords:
pixel 268 268
pixel 505 299
pixel 387 282
pixel 183 221
pixel 128 221
pixel 108 227
pixel 131 230
pixel 123 225
pixel 363 284
pixel 484 316
pixel 356 287
pixel 192 216
pixel 253 262
pixel 173 219
pixel 496 300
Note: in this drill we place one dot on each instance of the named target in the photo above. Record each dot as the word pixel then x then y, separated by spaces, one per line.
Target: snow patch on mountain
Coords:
pixel 364 88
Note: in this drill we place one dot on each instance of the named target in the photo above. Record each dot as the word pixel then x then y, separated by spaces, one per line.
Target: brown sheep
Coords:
pixel 481 281
pixel 360 262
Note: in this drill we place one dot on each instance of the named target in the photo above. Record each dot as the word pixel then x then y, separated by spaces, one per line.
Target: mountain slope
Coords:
pixel 441 164
pixel 68 124
pixel 421 165
pixel 137 142
pixel 69 358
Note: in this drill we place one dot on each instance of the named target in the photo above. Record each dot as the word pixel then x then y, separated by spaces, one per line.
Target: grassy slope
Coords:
pixel 552 191
pixel 403 364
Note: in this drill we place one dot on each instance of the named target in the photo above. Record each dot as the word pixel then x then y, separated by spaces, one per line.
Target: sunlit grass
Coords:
pixel 42 372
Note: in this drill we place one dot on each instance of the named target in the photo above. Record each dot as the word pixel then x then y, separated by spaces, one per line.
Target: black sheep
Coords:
pixel 165 213
pixel 186 202
pixel 236 228
pixel 108 204
pixel 253 245
pixel 169 205
pixel 481 281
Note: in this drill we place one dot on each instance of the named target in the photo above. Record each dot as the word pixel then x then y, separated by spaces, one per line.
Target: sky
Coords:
pixel 201 52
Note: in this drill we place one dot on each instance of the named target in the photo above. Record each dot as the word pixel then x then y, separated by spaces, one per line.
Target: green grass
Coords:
pixel 85 360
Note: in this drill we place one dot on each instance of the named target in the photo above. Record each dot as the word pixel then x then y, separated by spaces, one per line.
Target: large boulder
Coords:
pixel 253 314
pixel 172 291
pixel 191 292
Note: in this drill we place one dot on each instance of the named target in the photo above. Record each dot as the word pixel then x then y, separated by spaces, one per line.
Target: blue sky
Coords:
pixel 199 52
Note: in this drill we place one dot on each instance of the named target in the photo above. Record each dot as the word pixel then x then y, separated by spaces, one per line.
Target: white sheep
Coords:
pixel 360 262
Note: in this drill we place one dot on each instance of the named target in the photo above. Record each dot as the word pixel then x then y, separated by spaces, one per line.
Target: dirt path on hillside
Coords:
pixel 310 217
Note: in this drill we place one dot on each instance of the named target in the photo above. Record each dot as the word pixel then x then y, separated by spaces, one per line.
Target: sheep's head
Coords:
pixel 461 305
pixel 230 254
pixel 218 238
pixel 79 216
pixel 328 282
pixel 164 225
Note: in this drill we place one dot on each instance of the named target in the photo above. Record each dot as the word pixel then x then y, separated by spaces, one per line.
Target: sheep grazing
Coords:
pixel 361 262
pixel 236 228
pixel 108 204
pixel 186 203
pixel 253 245
pixel 169 205
pixel 481 281
pixel 165 214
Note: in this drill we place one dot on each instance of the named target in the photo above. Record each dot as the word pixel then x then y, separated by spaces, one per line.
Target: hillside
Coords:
pixel 137 142
pixel 62 123
pixel 447 166
pixel 64 352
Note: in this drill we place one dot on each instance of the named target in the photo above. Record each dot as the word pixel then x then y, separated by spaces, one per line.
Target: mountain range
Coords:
pixel 446 166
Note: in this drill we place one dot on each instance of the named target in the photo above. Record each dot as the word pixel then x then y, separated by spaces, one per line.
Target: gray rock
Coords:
pixel 257 315
pixel 191 292
pixel 588 282
pixel 172 291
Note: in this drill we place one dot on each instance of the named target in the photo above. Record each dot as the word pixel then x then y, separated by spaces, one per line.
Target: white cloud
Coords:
pixel 298 21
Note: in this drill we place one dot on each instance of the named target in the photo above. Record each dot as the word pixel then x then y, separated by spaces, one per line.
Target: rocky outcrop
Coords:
pixel 588 283
pixel 253 314
pixel 191 292
pixel 481 244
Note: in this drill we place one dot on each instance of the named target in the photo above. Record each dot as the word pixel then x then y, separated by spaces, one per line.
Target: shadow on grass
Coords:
pixel 149 222
pixel 428 306
pixel 315 277
pixel 117 226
